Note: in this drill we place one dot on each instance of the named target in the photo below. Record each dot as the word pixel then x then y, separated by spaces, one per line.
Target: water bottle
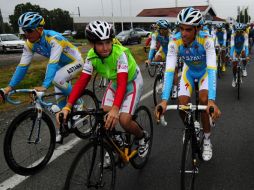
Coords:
pixel 54 109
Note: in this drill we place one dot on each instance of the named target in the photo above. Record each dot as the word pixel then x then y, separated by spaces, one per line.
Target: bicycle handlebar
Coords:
pixel 38 95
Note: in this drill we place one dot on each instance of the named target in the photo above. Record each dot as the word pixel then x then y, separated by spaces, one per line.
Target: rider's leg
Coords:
pixel 243 55
pixel 223 56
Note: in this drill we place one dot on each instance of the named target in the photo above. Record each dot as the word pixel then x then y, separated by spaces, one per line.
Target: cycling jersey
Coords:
pixel 163 40
pixel 239 43
pixel 199 57
pixel 53 46
pixel 221 38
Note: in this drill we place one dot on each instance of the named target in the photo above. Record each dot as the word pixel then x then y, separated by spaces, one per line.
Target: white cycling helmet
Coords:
pixel 190 16
pixel 30 20
pixel 99 30
pixel 239 26
pixel 219 25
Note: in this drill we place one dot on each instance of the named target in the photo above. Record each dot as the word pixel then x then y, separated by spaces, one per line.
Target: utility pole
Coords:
pixel 121 13
pixel 78 12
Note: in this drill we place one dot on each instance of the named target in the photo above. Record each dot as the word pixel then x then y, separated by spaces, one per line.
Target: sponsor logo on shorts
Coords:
pixel 74 68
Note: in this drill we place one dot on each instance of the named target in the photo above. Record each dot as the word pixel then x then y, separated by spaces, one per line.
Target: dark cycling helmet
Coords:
pixel 219 25
pixel 190 16
pixel 99 30
pixel 162 24
pixel 239 27
pixel 30 20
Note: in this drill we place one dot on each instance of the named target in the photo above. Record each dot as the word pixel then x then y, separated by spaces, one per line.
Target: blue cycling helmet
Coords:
pixel 219 25
pixel 162 24
pixel 239 27
pixel 190 16
pixel 30 20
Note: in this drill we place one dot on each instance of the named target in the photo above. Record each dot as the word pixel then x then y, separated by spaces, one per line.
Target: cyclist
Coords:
pixel 153 29
pixel 239 48
pixel 65 61
pixel 123 93
pixel 162 36
pixel 197 50
pixel 220 41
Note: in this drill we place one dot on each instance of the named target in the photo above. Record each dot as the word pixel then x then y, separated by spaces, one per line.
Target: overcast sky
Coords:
pixel 223 8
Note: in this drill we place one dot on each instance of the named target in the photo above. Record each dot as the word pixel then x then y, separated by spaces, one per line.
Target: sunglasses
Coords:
pixel 28 30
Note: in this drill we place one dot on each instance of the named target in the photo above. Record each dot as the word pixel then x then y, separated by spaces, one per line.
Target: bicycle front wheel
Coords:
pixel 151 69
pixel 144 120
pixel 238 83
pixel 90 170
pixel 84 124
pixel 99 86
pixel 188 165
pixel 157 89
pixel 29 142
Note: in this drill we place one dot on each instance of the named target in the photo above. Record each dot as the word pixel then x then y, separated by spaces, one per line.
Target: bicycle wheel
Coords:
pixel 144 119
pixel 87 170
pixel 29 142
pixel 188 168
pixel 84 125
pixel 99 86
pixel 219 66
pixel 157 89
pixel 151 69
pixel 238 83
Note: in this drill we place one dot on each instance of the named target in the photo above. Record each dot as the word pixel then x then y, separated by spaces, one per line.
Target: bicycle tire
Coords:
pixel 83 130
pixel 157 89
pixel 151 70
pixel 219 66
pixel 238 83
pixel 76 169
pixel 25 166
pixel 144 119
pixel 99 86
pixel 188 170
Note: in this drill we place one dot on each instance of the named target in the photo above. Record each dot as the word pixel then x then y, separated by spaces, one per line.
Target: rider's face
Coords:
pixel 163 32
pixel 188 34
pixel 103 48
pixel 33 35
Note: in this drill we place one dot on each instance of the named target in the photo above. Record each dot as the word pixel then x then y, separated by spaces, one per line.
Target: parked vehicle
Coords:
pixel 142 32
pixel 129 36
pixel 10 42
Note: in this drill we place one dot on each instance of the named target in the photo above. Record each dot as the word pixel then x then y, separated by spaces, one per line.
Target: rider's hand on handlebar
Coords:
pixel 248 59
pixel 163 105
pixel 65 113
pixel 148 62
pixel 216 114
pixel 40 88
pixel 5 91
pixel 112 118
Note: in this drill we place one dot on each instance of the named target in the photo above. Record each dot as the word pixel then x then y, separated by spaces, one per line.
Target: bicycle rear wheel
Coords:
pixel 157 89
pixel 151 69
pixel 99 86
pixel 144 119
pixel 87 170
pixel 86 123
pixel 188 165
pixel 29 142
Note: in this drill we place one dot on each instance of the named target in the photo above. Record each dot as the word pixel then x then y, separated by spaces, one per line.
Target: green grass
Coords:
pixel 36 71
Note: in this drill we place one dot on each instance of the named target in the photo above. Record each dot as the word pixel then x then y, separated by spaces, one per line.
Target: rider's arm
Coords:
pixel 22 67
pixel 232 45
pixel 122 79
pixel 225 38
pixel 52 67
pixel 246 44
pixel 152 47
pixel 211 68
pixel 170 69
pixel 81 83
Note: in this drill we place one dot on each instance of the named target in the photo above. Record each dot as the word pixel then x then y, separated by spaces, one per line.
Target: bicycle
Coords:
pixel 29 141
pixel 192 139
pixel 219 51
pixel 88 170
pixel 151 68
pixel 239 76
pixel 158 82
pixel 99 86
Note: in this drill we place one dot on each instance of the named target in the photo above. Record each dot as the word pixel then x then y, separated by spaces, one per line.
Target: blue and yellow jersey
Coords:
pixel 163 40
pixel 221 37
pixel 199 56
pixel 51 45
pixel 239 42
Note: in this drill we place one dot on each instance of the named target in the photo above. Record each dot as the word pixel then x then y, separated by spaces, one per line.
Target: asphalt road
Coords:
pixel 231 167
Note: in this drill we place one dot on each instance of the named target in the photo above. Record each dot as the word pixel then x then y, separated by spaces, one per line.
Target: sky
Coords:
pixel 118 8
